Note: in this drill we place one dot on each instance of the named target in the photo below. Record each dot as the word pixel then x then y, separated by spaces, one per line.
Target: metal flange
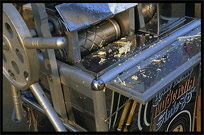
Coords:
pixel 20 65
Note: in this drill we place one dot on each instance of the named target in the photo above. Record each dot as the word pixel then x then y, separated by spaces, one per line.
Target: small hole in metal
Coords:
pixel 26 75
pixel 15 67
pixel 19 55
pixel 8 27
pixel 11 75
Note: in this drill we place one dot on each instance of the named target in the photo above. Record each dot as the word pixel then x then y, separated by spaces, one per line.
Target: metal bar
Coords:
pixel 117 109
pixel 51 114
pixel 17 103
pixel 158 19
pixel 33 104
pixel 45 42
pixel 74 51
pixel 132 20
pixel 108 76
pixel 68 126
pixel 113 94
pixel 43 30
pixel 67 98
pixel 141 17
pixel 100 110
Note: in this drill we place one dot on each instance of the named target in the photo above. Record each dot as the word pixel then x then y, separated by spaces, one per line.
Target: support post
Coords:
pixel 100 112
pixel 132 20
pixel 17 103
pixel 43 101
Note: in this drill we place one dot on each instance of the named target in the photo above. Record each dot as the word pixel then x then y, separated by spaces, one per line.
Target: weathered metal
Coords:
pixel 20 65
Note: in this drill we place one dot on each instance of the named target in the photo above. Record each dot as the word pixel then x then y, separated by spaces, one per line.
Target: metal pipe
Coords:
pixel 17 103
pixel 68 126
pixel 51 114
pixel 106 77
pixel 111 111
pixel 45 42
pixel 100 110
pixel 33 104
pixel 116 115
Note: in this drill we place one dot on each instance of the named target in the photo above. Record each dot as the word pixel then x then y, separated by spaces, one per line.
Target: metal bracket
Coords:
pixel 132 20
pixel 73 49
pixel 141 17
pixel 42 27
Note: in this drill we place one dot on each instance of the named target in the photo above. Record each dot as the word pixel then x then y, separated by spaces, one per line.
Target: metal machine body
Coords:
pixel 105 66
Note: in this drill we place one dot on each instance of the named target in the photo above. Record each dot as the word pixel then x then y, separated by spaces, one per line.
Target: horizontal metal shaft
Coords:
pixel 17 103
pixel 45 42
pixel 51 114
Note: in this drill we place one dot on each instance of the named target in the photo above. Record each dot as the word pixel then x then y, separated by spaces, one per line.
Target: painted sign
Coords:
pixel 177 98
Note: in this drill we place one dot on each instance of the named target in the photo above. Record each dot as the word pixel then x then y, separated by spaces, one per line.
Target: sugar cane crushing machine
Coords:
pixel 102 66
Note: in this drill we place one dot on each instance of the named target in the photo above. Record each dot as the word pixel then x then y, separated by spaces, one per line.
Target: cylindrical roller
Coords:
pixel 17 103
pixel 51 114
pixel 45 42
pixel 98 35
pixel 124 22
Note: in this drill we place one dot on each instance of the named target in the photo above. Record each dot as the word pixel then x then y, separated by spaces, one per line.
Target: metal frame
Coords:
pixel 87 84
pixel 42 27
pixel 73 76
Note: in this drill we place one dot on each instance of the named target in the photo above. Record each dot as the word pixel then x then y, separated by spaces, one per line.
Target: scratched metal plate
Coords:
pixel 81 15
pixel 173 60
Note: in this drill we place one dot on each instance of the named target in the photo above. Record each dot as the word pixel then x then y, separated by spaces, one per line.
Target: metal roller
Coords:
pixel 98 35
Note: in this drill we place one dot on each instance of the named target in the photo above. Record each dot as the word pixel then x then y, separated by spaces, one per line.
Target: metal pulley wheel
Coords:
pixel 20 65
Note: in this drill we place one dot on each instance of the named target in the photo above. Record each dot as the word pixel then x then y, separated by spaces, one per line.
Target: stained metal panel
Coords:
pixel 164 66
pixel 89 13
